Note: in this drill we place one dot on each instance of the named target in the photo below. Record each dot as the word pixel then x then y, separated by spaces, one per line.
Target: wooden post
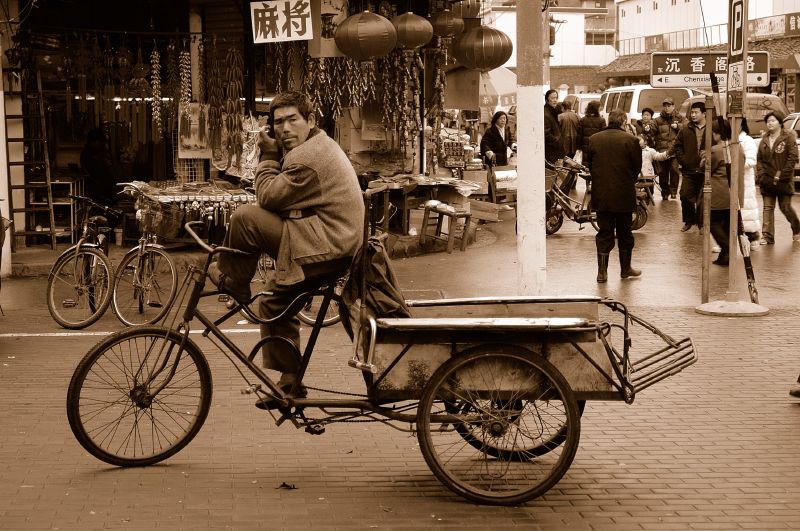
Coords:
pixel 531 246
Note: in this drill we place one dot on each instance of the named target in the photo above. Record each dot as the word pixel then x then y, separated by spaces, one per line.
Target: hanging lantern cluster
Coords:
pixel 446 24
pixel 483 48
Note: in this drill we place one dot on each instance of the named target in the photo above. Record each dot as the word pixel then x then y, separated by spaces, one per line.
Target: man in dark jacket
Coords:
pixel 309 218
pixel 615 159
pixel 689 147
pixel 553 148
pixel 668 123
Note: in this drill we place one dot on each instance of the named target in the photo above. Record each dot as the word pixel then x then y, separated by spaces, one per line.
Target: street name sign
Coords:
pixel 692 69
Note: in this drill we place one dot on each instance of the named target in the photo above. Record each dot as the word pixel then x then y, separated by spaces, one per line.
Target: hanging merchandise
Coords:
pixel 98 79
pixel 184 117
pixel 138 87
pixel 249 152
pixel 66 74
pixel 200 97
pixel 172 90
pixel 124 61
pixel 109 105
pixel 215 101
pixel 155 82
pixel 280 52
pixel 483 48
pixel 233 105
pixel 413 32
pixel 316 82
pixel 435 111
pixel 83 61
pixel 364 37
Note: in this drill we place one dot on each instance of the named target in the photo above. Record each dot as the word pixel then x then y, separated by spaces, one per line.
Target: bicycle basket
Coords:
pixel 162 219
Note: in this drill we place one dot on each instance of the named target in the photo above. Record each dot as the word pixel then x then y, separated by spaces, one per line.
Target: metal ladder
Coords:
pixel 34 181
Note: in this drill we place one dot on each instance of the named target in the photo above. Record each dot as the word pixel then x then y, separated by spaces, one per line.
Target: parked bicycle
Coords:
pixel 146 280
pixel 79 285
pixel 559 203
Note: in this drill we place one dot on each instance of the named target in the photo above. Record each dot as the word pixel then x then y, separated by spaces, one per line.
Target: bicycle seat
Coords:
pixel 99 220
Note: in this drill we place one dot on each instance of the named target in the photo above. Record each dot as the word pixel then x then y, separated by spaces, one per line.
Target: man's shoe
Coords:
pixel 602 268
pixel 272 402
pixel 224 284
pixel 716 249
pixel 626 270
pixel 686 227
pixel 795 391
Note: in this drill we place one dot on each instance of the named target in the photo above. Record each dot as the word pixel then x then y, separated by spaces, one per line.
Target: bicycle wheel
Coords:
pixel 639 217
pixel 553 220
pixel 78 288
pixel 144 286
pixel 478 438
pixel 524 411
pixel 308 313
pixel 138 397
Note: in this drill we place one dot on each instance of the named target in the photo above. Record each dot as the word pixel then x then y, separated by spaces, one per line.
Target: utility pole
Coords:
pixel 531 246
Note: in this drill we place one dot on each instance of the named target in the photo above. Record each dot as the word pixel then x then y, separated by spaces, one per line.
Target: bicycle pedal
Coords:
pixel 69 303
pixel 315 429
pixel 224 298
pixel 155 305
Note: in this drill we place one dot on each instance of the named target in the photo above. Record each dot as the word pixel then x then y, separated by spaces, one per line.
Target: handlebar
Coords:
pixel 203 245
pixel 106 209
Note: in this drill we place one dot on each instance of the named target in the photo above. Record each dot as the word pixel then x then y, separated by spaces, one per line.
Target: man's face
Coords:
pixel 697 116
pixel 646 117
pixel 668 108
pixel 552 99
pixel 290 128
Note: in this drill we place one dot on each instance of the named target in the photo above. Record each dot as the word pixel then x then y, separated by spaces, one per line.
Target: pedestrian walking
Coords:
pixel 777 155
pixel 497 140
pixel 720 194
pixel 614 159
pixel 569 122
pixel 668 123
pixel 689 148
pixel 751 214
pixel 590 123
pixel 553 148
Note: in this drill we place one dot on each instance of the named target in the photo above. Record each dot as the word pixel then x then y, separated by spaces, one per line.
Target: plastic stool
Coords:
pixel 441 212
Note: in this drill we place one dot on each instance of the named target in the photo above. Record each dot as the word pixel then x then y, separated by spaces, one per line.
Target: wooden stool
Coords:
pixel 441 212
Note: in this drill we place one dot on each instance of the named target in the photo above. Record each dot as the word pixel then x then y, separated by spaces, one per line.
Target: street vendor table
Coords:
pixel 409 191
pixel 173 204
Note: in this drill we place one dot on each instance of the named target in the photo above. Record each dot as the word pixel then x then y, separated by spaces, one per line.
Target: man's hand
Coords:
pixel 268 146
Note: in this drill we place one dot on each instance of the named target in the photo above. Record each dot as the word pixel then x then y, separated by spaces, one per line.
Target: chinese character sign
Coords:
pixel 281 20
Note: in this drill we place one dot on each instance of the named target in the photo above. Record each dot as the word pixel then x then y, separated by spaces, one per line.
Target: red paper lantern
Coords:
pixel 466 8
pixel 446 24
pixel 483 48
pixel 365 36
pixel 413 31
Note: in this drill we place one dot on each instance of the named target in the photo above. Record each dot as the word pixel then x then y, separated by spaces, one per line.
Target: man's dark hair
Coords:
pixel 616 118
pixel 699 105
pixel 744 127
pixel 648 109
pixel 723 130
pixel 547 94
pixel 290 99
pixel 777 114
pixel 497 116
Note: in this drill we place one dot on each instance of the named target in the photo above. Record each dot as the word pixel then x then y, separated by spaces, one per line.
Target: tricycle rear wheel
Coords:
pixel 523 417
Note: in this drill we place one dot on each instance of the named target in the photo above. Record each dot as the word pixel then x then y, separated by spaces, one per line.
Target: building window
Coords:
pixel 598 38
pixel 674 2
pixel 638 9
pixel 655 6
pixel 622 13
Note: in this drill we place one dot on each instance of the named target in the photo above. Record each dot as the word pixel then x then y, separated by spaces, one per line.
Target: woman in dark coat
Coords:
pixel 553 148
pixel 590 124
pixel 496 141
pixel 777 155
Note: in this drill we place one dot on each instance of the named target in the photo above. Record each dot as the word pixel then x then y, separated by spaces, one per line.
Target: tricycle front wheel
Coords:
pixel 498 425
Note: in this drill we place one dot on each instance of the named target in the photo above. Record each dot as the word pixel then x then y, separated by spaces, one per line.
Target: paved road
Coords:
pixel 715 447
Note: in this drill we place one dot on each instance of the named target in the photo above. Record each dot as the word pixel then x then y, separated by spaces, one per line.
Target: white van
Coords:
pixel 578 102
pixel 632 99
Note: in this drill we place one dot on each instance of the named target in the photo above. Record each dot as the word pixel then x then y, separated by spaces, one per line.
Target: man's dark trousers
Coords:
pixel 691 187
pixel 668 177
pixel 607 222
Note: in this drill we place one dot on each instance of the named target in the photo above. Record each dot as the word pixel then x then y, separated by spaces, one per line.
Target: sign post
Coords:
pixel 738 63
pixel 692 69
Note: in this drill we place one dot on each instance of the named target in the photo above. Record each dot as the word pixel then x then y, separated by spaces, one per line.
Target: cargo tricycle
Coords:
pixel 493 387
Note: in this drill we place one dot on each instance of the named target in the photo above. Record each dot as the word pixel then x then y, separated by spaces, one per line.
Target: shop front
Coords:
pixel 176 97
